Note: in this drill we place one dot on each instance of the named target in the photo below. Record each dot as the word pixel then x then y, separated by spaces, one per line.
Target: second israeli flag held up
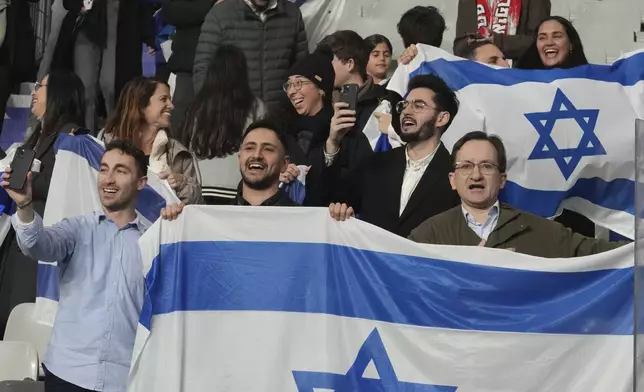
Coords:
pixel 569 133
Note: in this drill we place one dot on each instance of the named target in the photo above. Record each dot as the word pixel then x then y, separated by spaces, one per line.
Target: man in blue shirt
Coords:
pixel 100 275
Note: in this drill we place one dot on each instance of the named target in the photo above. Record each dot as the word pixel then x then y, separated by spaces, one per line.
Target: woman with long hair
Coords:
pixel 58 101
pixel 556 45
pixel 214 123
pixel 380 51
pixel 59 104
pixel 142 116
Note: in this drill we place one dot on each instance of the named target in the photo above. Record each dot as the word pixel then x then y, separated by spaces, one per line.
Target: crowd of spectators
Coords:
pixel 251 111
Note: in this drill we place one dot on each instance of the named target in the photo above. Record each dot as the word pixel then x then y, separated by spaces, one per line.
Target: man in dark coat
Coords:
pixel 17 50
pixel 103 45
pixel 398 189
pixel 270 32
pixel 513 35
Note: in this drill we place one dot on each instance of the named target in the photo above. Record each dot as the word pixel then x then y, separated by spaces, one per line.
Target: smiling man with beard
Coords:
pixel 399 189
pixel 262 158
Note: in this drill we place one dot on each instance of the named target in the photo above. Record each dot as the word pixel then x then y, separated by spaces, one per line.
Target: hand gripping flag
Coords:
pixel 289 300
pixel 569 133
pixel 73 191
pixel 296 189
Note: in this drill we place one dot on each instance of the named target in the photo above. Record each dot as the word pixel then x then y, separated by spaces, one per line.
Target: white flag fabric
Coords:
pixel 73 191
pixel 321 18
pixel 287 299
pixel 569 133
pixel 378 140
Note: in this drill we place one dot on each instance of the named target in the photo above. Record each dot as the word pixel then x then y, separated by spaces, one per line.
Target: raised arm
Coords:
pixel 55 243
pixel 51 244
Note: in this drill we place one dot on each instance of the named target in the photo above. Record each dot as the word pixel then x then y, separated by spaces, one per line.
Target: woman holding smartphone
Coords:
pixel 58 102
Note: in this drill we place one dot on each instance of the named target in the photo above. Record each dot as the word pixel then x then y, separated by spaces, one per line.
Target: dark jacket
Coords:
pixel 516 230
pixel 373 190
pixel 280 199
pixel 513 46
pixel 271 47
pixel 186 16
pixel 18 52
pixel 306 138
pixel 135 27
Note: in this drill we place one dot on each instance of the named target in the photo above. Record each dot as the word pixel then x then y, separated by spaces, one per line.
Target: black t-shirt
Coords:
pixel 279 199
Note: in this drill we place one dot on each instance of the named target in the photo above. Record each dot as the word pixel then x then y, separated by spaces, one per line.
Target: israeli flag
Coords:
pixel 73 191
pixel 569 134
pixel 296 189
pixel 15 120
pixel 287 299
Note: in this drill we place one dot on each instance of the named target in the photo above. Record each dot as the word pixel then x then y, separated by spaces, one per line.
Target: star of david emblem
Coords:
pixel 372 351
pixel 566 158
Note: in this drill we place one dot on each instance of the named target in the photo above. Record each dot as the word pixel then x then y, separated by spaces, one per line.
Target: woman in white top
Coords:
pixel 214 123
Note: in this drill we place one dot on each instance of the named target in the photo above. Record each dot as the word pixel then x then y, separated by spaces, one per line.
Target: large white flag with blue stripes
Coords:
pixel 569 134
pixel 286 299
pixel 73 191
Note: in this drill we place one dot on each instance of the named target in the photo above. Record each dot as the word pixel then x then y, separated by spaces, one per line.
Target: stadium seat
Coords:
pixel 22 386
pixel 22 327
pixel 18 361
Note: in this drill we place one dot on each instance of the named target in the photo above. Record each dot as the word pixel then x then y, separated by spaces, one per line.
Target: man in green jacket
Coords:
pixel 478 174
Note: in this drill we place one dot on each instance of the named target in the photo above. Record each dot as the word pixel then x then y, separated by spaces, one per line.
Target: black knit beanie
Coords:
pixel 316 67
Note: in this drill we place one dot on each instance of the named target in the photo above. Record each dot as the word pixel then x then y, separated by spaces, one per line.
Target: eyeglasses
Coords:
pixel 485 168
pixel 297 84
pixel 38 86
pixel 417 106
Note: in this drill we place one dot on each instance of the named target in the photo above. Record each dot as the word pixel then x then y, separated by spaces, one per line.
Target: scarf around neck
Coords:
pixel 498 16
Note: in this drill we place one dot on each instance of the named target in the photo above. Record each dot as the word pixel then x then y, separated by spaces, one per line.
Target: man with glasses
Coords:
pixel 400 188
pixel 478 174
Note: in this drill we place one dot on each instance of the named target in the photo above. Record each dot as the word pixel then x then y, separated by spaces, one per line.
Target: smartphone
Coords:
pixel 349 94
pixel 82 131
pixel 20 166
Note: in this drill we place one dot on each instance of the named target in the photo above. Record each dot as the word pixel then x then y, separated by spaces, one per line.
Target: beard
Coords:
pixel 425 132
pixel 263 183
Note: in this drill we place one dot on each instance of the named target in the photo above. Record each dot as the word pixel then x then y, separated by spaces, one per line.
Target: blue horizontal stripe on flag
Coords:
pixel 618 195
pixel 149 202
pixel 460 74
pixel 48 282
pixel 343 281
